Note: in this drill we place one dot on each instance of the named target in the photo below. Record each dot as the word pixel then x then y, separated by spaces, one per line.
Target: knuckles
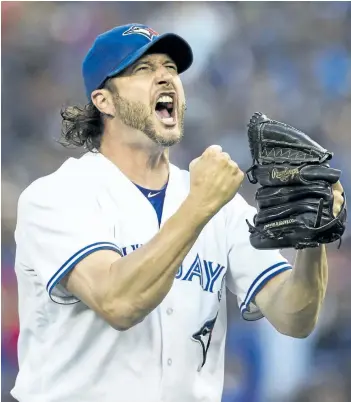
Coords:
pixel 213 156
pixel 235 166
pixel 338 201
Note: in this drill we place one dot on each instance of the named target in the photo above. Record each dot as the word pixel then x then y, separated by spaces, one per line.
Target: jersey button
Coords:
pixel 169 362
pixel 169 311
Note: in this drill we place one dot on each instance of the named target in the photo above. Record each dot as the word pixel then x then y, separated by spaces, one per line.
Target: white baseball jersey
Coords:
pixel 67 353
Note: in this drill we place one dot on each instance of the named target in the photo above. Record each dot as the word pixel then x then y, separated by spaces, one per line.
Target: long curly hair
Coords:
pixel 83 126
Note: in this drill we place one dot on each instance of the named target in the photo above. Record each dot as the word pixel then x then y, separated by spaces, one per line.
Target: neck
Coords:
pixel 144 164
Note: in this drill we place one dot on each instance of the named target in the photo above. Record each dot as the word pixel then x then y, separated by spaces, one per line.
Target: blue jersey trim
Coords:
pixel 257 285
pixel 75 259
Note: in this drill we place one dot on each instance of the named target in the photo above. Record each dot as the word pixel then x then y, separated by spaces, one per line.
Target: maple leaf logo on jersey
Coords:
pixel 141 30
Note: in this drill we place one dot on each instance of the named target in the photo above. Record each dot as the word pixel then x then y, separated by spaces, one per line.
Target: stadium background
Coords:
pixel 289 60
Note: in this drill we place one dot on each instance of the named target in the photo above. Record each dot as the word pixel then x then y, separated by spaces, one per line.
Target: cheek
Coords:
pixel 135 90
pixel 182 98
pixel 180 91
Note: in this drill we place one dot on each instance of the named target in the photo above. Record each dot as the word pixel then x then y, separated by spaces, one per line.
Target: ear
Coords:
pixel 103 100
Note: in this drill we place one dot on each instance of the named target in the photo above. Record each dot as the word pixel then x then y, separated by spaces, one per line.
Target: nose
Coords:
pixel 163 76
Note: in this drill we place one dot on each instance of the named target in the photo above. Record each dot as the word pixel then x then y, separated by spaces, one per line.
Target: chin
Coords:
pixel 169 136
pixel 172 133
pixel 168 140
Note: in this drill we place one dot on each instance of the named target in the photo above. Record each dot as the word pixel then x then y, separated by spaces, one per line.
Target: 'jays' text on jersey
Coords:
pixel 67 353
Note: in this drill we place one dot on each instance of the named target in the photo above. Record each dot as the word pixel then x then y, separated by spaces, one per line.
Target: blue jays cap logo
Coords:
pixel 141 30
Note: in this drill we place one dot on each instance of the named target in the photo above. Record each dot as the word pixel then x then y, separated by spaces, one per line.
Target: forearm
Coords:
pixel 297 301
pixel 125 290
pixel 143 278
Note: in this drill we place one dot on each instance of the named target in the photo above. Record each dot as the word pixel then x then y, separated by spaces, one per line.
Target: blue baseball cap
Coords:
pixel 115 50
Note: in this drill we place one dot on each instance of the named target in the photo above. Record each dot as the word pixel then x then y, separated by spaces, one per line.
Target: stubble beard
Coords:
pixel 137 115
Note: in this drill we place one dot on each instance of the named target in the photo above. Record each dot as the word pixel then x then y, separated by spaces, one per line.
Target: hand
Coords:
pixel 214 179
pixel 338 198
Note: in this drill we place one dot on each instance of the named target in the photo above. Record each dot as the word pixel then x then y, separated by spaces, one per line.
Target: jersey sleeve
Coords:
pixel 249 269
pixel 56 229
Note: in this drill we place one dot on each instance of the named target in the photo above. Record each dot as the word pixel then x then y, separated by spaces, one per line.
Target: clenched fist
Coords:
pixel 214 179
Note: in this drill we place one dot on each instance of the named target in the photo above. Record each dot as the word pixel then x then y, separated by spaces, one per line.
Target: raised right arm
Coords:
pixel 125 290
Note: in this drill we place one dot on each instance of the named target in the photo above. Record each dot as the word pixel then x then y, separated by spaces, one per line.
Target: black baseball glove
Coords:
pixel 295 197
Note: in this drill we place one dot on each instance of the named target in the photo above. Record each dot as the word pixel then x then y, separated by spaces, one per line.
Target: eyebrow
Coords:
pixel 142 62
pixel 138 63
pixel 169 61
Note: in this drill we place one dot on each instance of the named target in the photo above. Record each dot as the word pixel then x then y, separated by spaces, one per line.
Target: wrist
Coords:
pixel 196 211
pixel 314 252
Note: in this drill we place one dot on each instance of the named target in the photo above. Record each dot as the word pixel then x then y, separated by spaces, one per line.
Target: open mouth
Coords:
pixel 165 109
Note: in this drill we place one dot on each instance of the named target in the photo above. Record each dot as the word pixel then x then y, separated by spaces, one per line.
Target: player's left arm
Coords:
pixel 292 300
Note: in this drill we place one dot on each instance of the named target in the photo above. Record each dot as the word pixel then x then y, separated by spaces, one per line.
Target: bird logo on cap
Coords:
pixel 141 30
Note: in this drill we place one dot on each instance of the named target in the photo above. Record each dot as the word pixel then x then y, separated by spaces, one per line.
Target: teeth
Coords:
pixel 165 99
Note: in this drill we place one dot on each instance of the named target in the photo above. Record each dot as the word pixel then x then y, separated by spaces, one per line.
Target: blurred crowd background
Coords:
pixel 290 60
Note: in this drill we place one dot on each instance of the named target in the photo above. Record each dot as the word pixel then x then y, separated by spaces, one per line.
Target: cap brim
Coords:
pixel 173 45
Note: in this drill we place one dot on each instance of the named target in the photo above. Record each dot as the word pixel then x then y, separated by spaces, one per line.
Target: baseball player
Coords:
pixel 123 259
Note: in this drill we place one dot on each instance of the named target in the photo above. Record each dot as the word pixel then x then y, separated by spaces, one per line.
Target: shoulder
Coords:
pixel 179 177
pixel 238 204
pixel 179 173
pixel 75 177
pixel 238 209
